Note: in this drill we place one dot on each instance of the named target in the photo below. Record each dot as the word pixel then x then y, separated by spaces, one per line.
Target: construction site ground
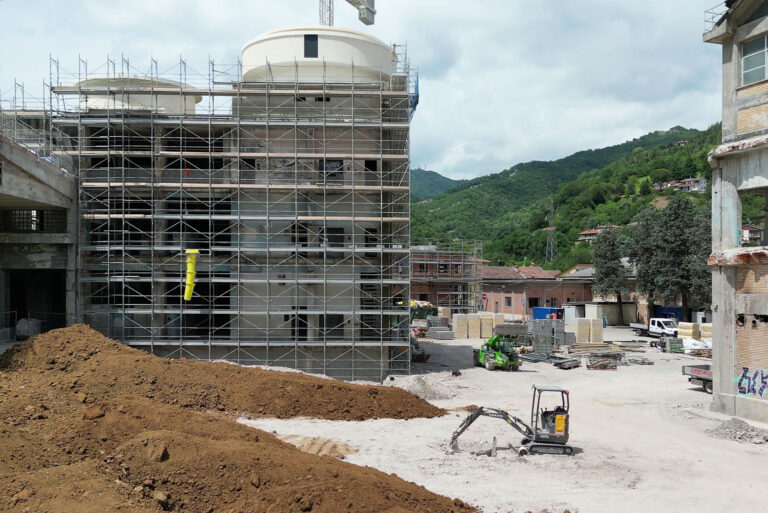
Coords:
pixel 641 433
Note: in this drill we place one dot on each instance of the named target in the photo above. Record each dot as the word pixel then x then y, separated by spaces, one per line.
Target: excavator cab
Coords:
pixel 550 425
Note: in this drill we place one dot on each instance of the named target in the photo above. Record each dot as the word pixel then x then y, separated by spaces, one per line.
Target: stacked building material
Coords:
pixel 486 325
pixel 460 325
pixel 688 330
pixel 706 330
pixel 584 349
pixel 595 331
pixel 605 359
pixel 473 326
pixel 444 311
pixel 498 319
pixel 440 333
pixel 582 331
pixel 511 330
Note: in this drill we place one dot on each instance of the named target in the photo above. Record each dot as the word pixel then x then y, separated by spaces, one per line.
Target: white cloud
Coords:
pixel 502 81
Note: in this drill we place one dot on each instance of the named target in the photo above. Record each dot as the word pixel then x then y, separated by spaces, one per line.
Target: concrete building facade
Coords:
pixel 38 217
pixel 740 275
pixel 288 172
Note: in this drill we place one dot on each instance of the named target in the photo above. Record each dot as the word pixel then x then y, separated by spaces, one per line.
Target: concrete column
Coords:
pixel 726 226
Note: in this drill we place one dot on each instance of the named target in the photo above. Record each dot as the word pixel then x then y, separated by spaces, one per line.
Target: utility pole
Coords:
pixel 551 235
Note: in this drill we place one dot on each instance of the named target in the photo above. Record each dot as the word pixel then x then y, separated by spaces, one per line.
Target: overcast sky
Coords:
pixel 502 81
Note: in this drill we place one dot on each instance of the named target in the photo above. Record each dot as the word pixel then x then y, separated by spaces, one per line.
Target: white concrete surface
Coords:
pixel 640 432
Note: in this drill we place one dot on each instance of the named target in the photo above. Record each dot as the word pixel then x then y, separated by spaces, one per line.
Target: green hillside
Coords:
pixel 425 184
pixel 597 187
pixel 490 206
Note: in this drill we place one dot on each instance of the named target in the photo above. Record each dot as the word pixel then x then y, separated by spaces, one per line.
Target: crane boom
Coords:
pixel 366 11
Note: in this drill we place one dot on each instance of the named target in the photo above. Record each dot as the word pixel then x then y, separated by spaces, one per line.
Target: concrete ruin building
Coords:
pixel 288 171
pixel 740 275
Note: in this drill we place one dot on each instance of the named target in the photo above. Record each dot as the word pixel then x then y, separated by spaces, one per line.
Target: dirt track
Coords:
pixel 90 425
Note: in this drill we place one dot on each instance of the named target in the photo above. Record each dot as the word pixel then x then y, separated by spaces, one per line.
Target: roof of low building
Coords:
pixel 599 229
pixel 517 273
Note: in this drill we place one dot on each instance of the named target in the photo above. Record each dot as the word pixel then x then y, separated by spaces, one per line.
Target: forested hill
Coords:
pixel 489 207
pixel 590 188
pixel 426 184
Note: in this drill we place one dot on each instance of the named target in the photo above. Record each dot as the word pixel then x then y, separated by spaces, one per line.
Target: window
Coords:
pixel 508 301
pixel 332 326
pixel 553 301
pixel 753 61
pixel 322 98
pixel 533 302
pixel 310 46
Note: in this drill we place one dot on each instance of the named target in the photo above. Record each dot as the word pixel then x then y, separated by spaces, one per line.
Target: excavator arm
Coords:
pixel 475 414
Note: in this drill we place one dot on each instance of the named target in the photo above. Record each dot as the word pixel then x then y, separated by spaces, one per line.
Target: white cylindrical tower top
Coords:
pixel 316 54
pixel 135 93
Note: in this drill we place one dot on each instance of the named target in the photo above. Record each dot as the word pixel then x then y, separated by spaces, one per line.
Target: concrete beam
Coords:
pixel 37 238
pixel 28 181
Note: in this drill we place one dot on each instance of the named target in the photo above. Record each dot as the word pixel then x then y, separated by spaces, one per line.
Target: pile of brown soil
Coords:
pixel 89 425
pixel 100 368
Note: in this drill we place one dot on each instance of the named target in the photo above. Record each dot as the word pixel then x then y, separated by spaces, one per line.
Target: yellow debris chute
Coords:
pixel 192 255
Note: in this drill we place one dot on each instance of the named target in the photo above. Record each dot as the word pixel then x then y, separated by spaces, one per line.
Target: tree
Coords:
pixel 670 248
pixel 642 251
pixel 611 277
pixel 645 188
pixel 661 175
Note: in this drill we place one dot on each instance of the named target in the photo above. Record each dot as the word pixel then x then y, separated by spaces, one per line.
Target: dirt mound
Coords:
pixel 100 368
pixel 740 431
pixel 89 428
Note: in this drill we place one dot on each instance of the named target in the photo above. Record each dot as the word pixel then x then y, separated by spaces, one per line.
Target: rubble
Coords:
pixel 739 431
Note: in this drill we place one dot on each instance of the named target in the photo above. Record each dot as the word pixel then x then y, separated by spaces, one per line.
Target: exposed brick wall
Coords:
pixel 753 89
pixel 752 346
pixel 752 337
pixel 752 279
pixel 751 119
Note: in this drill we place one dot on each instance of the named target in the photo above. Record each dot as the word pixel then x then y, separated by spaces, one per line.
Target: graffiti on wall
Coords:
pixel 752 383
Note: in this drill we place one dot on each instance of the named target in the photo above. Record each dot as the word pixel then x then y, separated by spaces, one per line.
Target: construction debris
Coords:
pixel 739 431
pixel 605 359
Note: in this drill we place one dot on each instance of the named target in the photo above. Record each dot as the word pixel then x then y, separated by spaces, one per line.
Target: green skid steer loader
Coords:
pixel 497 353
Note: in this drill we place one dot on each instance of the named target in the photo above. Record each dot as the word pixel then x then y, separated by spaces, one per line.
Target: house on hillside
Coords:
pixel 517 290
pixel 740 274
pixel 751 235
pixel 590 235
pixel 698 185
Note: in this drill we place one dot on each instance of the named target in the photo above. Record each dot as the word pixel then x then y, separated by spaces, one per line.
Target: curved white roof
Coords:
pixel 319 29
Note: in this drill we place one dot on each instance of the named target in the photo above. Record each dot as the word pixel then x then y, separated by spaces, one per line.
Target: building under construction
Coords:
pixel 288 172
pixel 448 274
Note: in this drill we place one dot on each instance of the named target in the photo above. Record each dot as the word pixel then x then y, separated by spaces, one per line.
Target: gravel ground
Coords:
pixel 644 439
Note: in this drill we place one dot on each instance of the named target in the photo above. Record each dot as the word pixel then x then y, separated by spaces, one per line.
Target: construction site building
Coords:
pixel 740 274
pixel 448 274
pixel 288 172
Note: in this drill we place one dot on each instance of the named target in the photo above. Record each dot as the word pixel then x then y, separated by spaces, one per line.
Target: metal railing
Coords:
pixel 713 16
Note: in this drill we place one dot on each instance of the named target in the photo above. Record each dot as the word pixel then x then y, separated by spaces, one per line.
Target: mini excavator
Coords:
pixel 547 432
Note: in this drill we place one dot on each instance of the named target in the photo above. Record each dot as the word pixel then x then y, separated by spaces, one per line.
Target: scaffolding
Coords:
pixel 295 193
pixel 448 274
